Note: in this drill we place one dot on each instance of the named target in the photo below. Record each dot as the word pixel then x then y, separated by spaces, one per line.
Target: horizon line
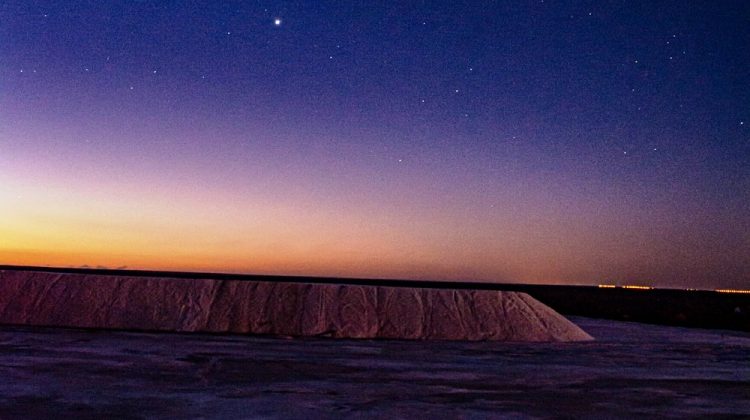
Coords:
pixel 431 283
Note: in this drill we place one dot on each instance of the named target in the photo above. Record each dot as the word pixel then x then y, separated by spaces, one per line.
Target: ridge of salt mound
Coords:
pixel 276 308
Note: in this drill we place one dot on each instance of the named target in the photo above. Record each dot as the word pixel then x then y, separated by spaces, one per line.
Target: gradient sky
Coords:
pixel 540 141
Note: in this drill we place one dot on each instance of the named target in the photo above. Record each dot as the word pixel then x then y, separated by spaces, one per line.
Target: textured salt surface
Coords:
pixel 290 309
pixel 631 370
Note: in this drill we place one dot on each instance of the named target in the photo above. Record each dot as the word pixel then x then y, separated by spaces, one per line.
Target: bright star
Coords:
pixel 277 22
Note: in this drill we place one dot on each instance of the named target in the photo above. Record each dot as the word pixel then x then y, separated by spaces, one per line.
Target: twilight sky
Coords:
pixel 527 141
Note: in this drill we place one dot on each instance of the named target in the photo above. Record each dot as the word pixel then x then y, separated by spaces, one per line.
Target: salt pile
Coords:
pixel 276 308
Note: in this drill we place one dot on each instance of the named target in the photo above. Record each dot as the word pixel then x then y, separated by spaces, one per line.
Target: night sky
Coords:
pixel 541 141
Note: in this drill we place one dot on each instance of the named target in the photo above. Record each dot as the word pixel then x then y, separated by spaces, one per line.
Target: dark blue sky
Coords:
pixel 540 141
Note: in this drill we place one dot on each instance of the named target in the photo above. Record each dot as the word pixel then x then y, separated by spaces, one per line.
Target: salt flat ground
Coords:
pixel 632 370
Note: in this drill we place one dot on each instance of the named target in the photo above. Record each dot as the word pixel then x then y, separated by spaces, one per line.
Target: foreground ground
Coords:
pixel 631 370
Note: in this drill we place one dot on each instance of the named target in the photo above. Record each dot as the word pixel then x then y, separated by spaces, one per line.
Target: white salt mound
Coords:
pixel 276 308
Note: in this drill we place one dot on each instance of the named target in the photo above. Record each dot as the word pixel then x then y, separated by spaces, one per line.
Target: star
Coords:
pixel 277 22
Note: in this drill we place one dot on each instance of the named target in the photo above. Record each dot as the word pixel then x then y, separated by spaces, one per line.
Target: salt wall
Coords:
pixel 277 308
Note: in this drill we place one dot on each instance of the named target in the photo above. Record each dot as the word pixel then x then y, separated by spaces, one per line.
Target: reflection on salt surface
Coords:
pixel 632 369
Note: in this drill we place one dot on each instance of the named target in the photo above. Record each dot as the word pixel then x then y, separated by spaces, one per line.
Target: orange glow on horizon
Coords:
pixel 172 226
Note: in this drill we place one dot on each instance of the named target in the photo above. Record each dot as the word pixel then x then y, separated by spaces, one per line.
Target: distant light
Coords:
pixel 277 22
pixel 631 286
pixel 747 292
pixel 607 286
